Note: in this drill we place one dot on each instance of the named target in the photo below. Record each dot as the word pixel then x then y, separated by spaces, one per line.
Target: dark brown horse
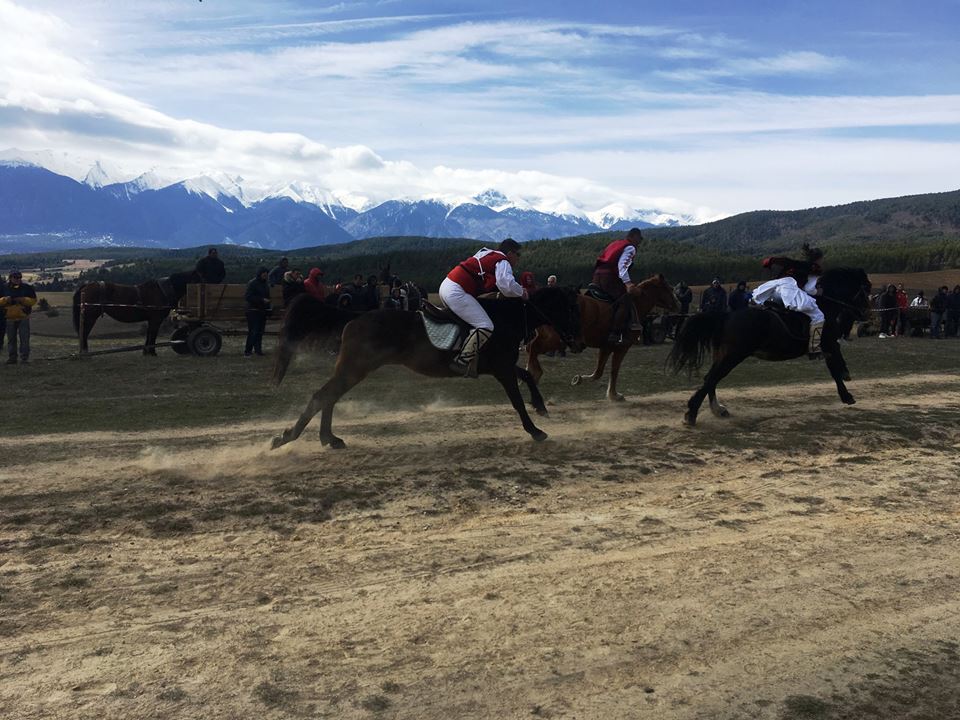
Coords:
pixel 596 318
pixel 148 302
pixel 770 335
pixel 398 337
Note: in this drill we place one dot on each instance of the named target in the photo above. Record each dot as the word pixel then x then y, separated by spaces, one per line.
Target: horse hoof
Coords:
pixel 542 411
pixel 334 442
pixel 848 400
pixel 539 435
pixel 617 397
pixel 689 420
pixel 576 380
pixel 846 376
pixel 278 441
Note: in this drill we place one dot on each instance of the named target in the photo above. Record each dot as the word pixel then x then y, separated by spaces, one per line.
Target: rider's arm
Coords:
pixel 506 283
pixel 623 267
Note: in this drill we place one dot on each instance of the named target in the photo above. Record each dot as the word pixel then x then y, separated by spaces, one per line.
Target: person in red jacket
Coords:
pixel 314 284
pixel 611 273
pixel 487 271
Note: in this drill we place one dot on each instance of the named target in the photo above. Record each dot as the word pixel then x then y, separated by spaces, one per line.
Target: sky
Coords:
pixel 702 108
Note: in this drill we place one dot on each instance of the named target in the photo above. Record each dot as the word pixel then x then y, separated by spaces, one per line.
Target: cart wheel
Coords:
pixel 204 342
pixel 182 347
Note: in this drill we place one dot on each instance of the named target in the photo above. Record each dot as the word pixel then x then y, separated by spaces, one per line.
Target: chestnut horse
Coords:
pixel 148 302
pixel 596 318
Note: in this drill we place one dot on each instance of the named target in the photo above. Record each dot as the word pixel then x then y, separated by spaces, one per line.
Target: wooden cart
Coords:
pixel 208 312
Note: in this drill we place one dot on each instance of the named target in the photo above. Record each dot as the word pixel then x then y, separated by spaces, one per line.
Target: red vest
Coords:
pixel 477 275
pixel 610 257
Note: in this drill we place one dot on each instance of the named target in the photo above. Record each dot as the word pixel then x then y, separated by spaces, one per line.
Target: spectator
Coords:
pixel 355 288
pixel 714 298
pixel 16 305
pixel 257 298
pixel 211 267
pixel 920 301
pixel 314 284
pixel 552 281
pixel 953 312
pixel 740 298
pixel 887 305
pixel 684 297
pixel 3 315
pixel 371 294
pixel 938 306
pixel 292 285
pixel 902 304
pixel 276 275
pixel 528 282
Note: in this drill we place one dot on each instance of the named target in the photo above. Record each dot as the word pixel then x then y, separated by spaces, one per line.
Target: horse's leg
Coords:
pixel 618 356
pixel 323 400
pixel 534 369
pixel 509 382
pixel 838 371
pixel 153 329
pixel 536 398
pixel 718 371
pixel 89 316
pixel 716 407
pixel 602 354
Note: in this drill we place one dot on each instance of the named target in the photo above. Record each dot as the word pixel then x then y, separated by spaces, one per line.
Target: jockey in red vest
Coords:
pixel 611 273
pixel 487 271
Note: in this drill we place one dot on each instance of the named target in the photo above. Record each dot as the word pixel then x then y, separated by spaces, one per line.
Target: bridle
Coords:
pixel 567 338
pixel 863 293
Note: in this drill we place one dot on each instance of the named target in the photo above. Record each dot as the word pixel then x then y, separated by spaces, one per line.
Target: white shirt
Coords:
pixel 919 302
pixel 623 267
pixel 506 283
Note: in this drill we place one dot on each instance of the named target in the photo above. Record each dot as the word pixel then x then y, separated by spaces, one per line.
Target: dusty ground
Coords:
pixel 799 560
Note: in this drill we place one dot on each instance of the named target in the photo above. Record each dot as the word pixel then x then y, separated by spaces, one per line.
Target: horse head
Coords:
pixel 848 289
pixel 657 291
pixel 559 307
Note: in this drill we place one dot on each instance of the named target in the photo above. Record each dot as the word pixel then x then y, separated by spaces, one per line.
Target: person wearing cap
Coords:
pixel 714 298
pixel 314 286
pixel 486 271
pixel 211 268
pixel 275 276
pixel 257 297
pixel 17 304
pixel 611 273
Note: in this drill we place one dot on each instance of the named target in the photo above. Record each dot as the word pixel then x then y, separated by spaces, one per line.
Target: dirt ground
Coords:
pixel 797 560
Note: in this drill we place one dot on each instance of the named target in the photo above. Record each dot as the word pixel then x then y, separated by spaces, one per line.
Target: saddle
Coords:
pixel 797 322
pixel 596 293
pixel 445 329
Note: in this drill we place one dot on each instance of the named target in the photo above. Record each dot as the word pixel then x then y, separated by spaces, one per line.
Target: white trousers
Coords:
pixel 464 305
pixel 792 297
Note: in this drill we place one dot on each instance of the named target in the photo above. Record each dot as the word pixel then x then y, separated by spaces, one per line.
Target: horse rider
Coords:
pixel 210 268
pixel 484 272
pixel 797 289
pixel 611 273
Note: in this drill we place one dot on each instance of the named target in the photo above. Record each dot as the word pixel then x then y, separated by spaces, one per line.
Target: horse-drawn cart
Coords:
pixel 207 312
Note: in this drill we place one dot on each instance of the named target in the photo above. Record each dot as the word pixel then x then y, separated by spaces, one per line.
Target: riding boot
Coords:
pixel 816 329
pixel 620 322
pixel 467 363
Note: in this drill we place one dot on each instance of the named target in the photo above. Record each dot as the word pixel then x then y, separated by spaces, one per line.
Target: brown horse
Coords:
pixel 596 318
pixel 148 302
pixel 397 337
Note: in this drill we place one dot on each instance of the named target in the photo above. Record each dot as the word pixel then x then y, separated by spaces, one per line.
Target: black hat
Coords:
pixel 16 274
pixel 509 245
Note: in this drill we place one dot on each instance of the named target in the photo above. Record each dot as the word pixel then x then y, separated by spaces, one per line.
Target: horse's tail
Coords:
pixel 76 310
pixel 307 318
pixel 697 335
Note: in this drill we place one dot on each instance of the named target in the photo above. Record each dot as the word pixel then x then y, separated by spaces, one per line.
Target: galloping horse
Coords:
pixel 392 337
pixel 596 317
pixel 148 302
pixel 769 335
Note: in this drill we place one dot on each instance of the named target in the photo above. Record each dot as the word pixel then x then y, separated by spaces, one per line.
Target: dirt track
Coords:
pixel 798 560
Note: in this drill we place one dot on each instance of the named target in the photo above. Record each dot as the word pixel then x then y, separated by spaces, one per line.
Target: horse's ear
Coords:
pixel 661 278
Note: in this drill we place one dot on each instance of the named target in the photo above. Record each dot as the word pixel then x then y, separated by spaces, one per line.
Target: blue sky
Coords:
pixel 695 107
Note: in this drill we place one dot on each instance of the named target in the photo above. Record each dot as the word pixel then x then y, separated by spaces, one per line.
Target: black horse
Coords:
pixel 148 302
pixel 769 335
pixel 392 337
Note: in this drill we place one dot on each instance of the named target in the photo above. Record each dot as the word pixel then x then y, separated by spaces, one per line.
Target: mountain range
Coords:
pixel 41 208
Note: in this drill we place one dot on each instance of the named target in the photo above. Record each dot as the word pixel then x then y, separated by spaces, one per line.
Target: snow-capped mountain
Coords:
pixel 99 203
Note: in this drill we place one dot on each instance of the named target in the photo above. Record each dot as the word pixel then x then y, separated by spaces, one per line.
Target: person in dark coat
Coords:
pixel 3 315
pixel 257 297
pixel 887 305
pixel 211 267
pixel 371 294
pixel 739 298
pixel 684 296
pixel 292 285
pixel 938 306
pixel 276 275
pixel 714 298
pixel 953 312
